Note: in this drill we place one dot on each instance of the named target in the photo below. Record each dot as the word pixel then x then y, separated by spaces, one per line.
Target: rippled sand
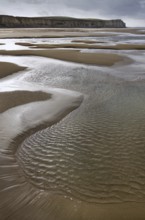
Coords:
pixel 88 164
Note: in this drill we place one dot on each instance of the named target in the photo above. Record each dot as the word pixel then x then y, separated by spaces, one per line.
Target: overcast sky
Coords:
pixel 131 11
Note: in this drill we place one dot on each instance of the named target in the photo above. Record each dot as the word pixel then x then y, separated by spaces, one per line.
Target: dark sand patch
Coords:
pixel 7 69
pixel 101 59
pixel 15 98
pixel 26 44
pixel 86 41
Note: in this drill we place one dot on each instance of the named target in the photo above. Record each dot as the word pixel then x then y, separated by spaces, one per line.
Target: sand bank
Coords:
pixel 101 59
pixel 9 68
pixel 15 98
pixel 85 45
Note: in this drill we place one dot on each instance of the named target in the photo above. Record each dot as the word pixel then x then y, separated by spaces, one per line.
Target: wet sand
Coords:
pixel 101 59
pixel 25 197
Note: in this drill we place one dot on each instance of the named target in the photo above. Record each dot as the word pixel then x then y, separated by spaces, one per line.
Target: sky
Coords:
pixel 132 12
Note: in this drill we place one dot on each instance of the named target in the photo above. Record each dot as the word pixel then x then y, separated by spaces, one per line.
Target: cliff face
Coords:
pixel 57 22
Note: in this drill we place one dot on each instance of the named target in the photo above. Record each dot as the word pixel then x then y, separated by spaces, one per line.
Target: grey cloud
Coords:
pixel 116 7
pixel 131 9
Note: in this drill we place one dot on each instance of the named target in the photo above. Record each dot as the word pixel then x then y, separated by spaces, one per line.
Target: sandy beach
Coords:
pixel 72 124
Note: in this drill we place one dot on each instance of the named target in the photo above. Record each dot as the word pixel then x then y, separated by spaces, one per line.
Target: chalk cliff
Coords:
pixel 57 22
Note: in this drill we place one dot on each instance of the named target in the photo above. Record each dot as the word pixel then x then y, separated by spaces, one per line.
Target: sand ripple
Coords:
pixel 81 158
